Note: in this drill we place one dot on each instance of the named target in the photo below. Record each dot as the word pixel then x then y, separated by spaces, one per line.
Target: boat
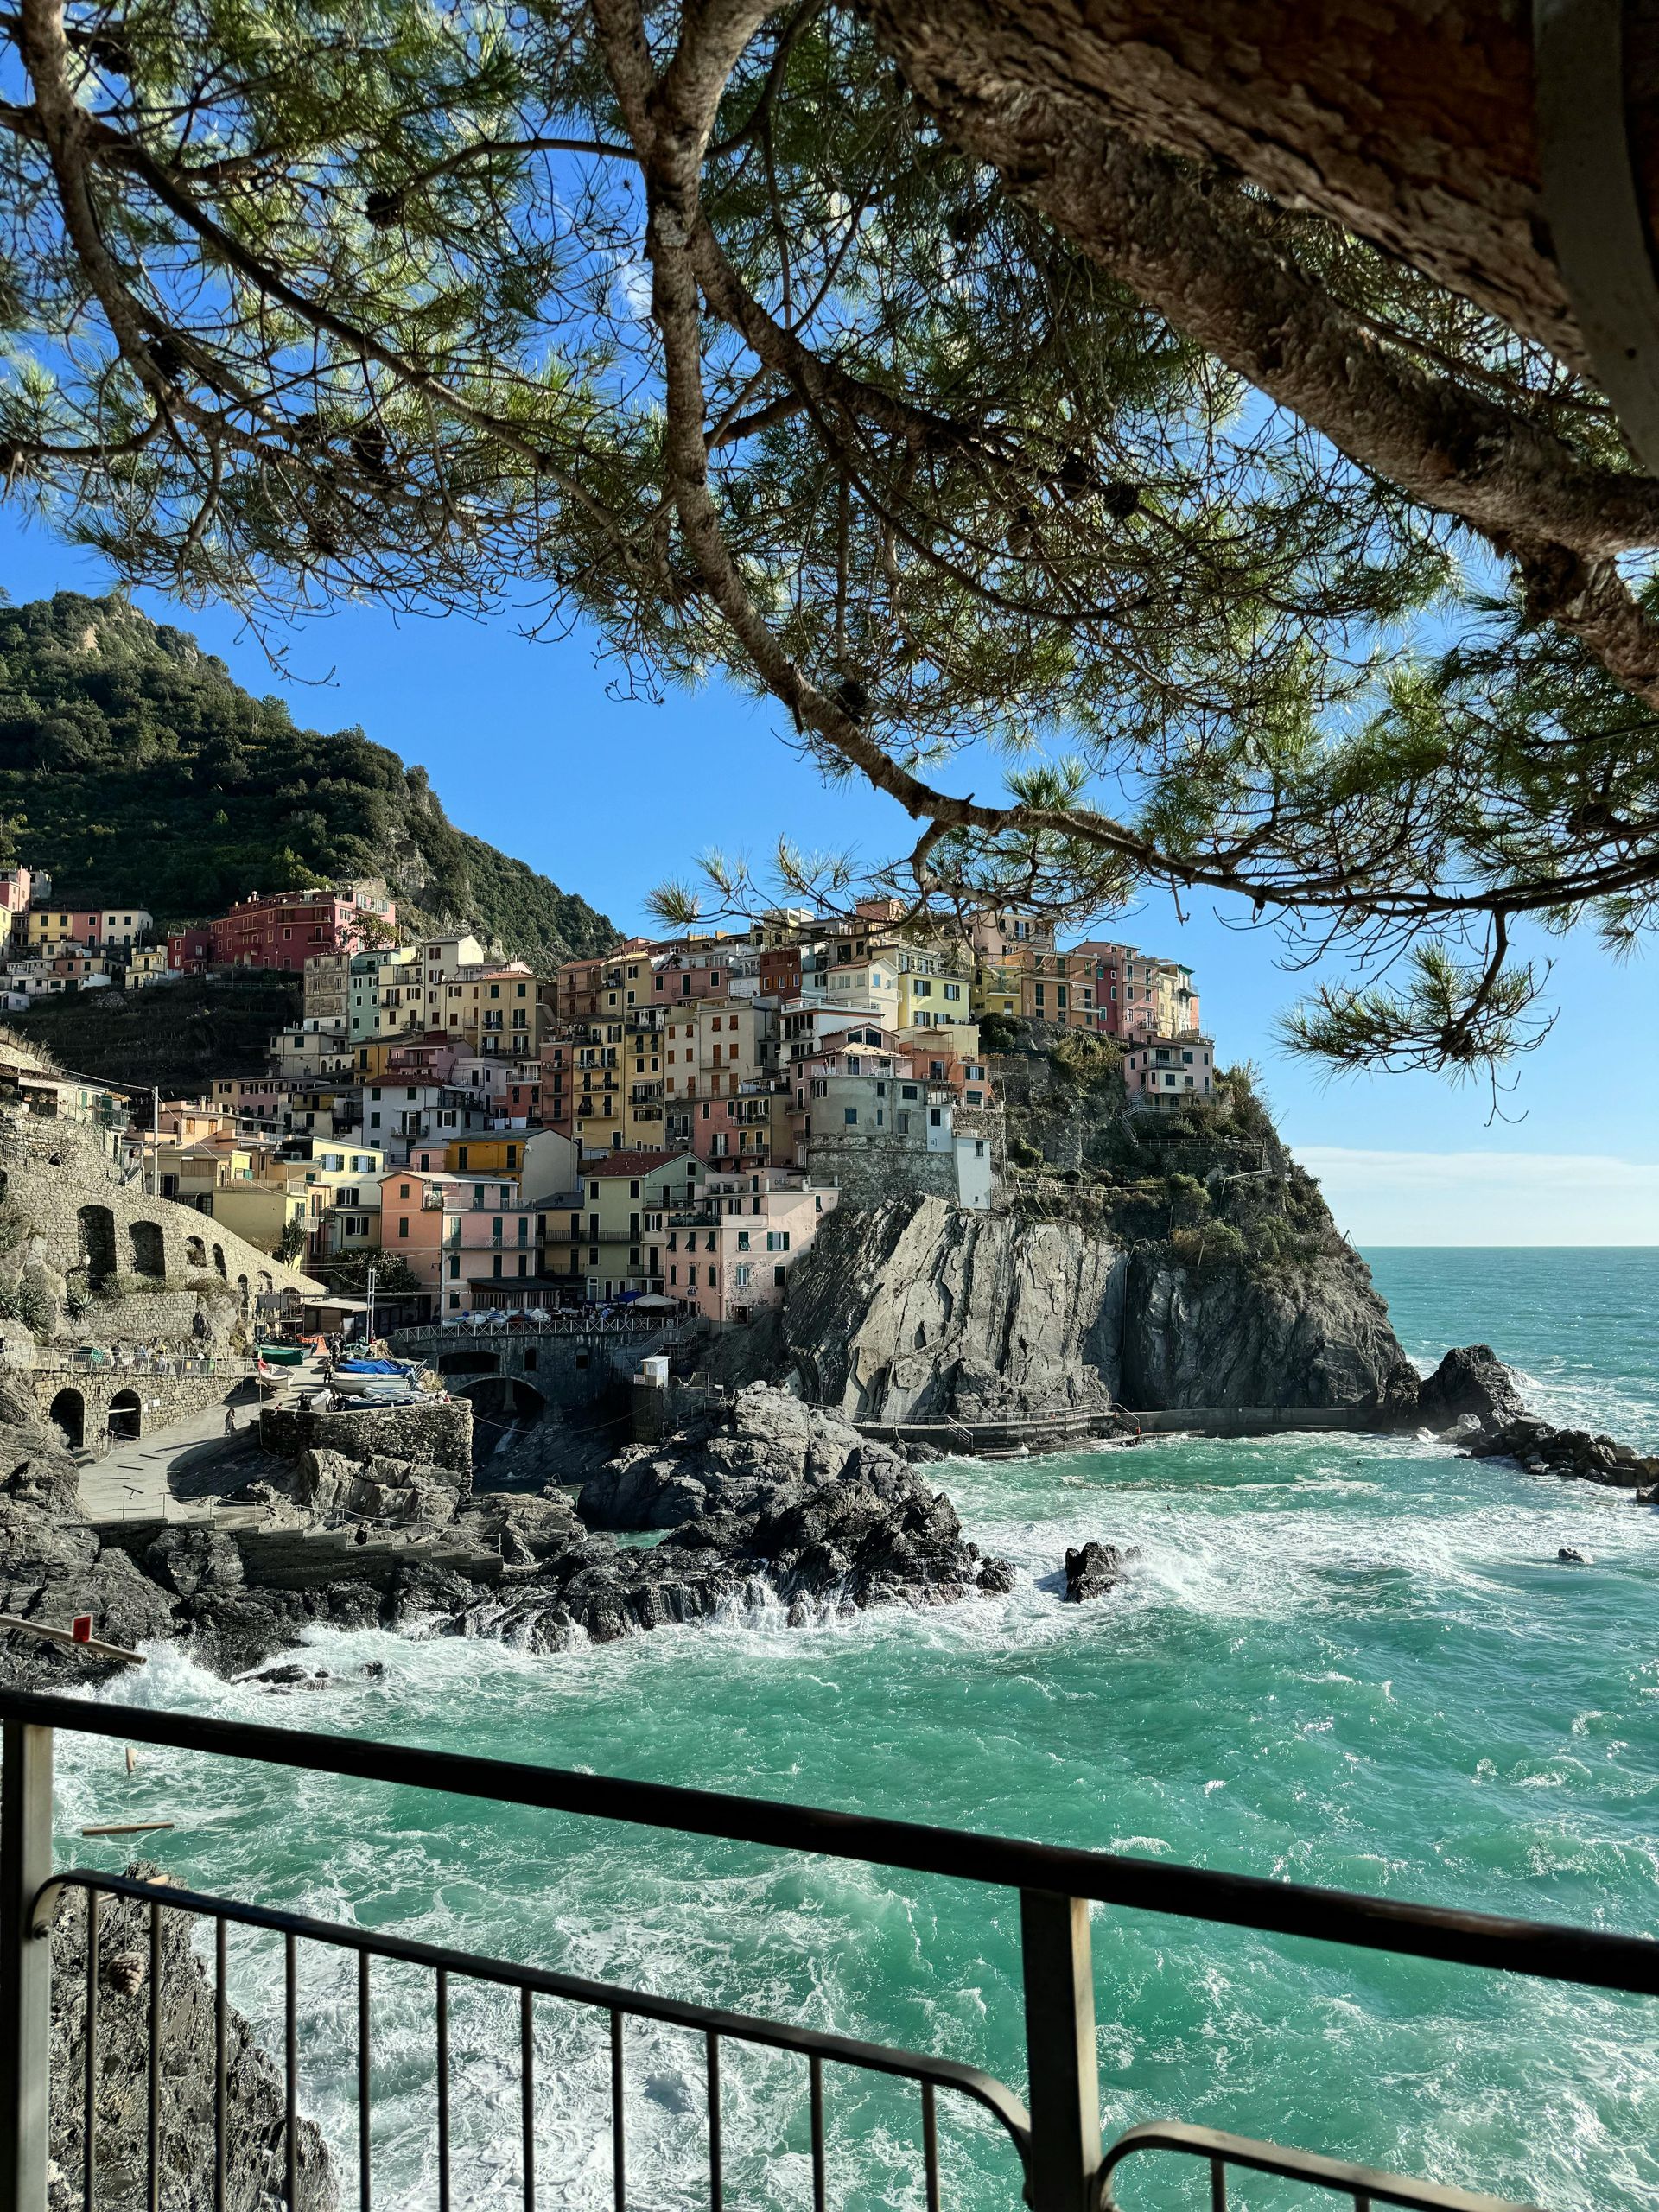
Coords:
pixel 354 1376
pixel 281 1355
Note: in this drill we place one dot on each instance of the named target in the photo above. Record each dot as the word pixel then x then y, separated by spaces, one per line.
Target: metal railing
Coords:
pixel 1056 2142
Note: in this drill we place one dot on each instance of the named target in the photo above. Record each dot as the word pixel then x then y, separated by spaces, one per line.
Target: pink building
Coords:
pixel 728 1256
pixel 1163 1073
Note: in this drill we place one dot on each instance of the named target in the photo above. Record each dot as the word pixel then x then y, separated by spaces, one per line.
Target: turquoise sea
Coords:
pixel 1338 1659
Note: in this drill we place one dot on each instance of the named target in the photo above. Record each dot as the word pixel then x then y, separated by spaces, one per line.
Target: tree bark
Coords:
pixel 1410 122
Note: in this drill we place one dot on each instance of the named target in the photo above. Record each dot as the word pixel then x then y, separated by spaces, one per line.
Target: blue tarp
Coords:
pixel 372 1367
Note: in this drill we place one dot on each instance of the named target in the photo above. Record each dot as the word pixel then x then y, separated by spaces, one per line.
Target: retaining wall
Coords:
pixel 440 1433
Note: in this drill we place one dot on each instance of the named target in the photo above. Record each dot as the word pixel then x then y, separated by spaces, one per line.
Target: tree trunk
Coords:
pixel 1411 121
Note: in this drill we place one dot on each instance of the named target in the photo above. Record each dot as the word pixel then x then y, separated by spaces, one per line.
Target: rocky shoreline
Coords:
pixel 763 1503
pixel 767 1503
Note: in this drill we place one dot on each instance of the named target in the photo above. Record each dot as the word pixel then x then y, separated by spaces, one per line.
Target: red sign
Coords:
pixel 81 1628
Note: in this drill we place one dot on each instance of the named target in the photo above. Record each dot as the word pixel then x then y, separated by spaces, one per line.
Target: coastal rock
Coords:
pixel 1470 1383
pixel 917 1311
pixel 1316 1336
pixel 769 1500
pixel 255 2140
pixel 1091 1571
pixel 185 1561
pixel 1569 1453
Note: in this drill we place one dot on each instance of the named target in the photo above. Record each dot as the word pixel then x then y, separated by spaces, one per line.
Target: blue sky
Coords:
pixel 528 745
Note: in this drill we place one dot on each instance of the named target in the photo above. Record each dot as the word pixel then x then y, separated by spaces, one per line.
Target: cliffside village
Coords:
pixel 671 1121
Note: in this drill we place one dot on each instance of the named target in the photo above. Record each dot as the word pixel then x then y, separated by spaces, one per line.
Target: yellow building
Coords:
pixel 503 1010
pixel 613 1240
pixel 261 1213
pixel 147 964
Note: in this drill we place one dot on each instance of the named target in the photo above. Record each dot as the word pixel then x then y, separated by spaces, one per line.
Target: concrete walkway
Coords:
pixel 177 1473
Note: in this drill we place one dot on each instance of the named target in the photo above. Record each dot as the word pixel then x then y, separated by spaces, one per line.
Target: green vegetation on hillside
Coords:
pixel 178 1035
pixel 135 770
pixel 1211 1184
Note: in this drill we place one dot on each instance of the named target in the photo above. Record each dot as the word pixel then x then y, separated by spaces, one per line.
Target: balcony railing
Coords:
pixel 1054 2147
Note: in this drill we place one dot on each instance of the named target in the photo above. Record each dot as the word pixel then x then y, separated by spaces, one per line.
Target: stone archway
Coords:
pixel 242 1291
pixel 502 1407
pixel 126 1417
pixel 478 1362
pixel 97 1226
pixel 148 1249
pixel 219 1260
pixel 67 1414
pixel 195 1253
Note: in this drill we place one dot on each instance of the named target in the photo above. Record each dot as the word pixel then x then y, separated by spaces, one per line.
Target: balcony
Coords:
pixel 1049 2147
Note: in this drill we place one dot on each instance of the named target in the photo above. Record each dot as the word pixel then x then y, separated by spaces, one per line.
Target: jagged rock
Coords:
pixel 1319 1336
pixel 185 1561
pixel 915 1311
pixel 1568 1557
pixel 1092 1571
pixel 1471 1380
pixel 254 2143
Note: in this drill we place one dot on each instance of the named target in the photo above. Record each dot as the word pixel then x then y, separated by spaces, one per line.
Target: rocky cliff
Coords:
pixel 1180 1260
pixel 1316 1334
pixel 914 1311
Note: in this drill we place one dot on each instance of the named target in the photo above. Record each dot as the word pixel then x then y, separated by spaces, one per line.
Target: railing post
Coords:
pixel 25 1965
pixel 1065 2094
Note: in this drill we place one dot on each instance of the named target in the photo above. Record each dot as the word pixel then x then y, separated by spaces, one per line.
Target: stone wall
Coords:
pixel 440 1433
pixel 138 1267
pixel 869 1169
pixel 161 1399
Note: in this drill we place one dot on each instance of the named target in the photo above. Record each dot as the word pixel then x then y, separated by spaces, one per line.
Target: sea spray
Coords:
pixel 1349 1660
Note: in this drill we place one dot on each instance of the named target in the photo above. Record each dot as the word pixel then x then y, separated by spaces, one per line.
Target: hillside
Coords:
pixel 135 770
pixel 178 1035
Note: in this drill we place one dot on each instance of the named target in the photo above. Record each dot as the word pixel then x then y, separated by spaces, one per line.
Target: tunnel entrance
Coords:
pixel 68 1415
pixel 126 1417
pixel 503 1407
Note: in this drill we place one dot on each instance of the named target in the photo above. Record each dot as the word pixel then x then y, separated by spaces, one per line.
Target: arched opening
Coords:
pixel 218 1260
pixel 242 1291
pixel 468 1363
pixel 126 1417
pixel 68 1416
pixel 148 1248
pixel 195 1252
pixel 266 1286
pixel 97 1244
pixel 503 1407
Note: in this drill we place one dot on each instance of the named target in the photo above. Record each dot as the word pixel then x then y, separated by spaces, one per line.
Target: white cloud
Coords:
pixel 1488 1198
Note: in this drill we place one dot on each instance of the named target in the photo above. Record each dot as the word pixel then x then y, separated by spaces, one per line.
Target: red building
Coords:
pixel 282 930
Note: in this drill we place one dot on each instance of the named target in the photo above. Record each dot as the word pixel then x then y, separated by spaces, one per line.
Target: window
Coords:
pixel 403 1225
pixel 779 1275
pixel 743 1241
pixel 454 1268
pixel 849 1116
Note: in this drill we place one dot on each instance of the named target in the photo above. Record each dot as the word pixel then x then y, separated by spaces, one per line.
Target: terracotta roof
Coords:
pixel 631 1163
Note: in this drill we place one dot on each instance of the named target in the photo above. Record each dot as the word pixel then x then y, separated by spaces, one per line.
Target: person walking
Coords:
pixel 230 1421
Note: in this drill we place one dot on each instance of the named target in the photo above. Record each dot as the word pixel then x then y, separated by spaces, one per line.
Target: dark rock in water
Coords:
pixel 1570 1453
pixel 256 2149
pixel 766 1498
pixel 1568 1557
pixel 1091 1571
pixel 1471 1380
